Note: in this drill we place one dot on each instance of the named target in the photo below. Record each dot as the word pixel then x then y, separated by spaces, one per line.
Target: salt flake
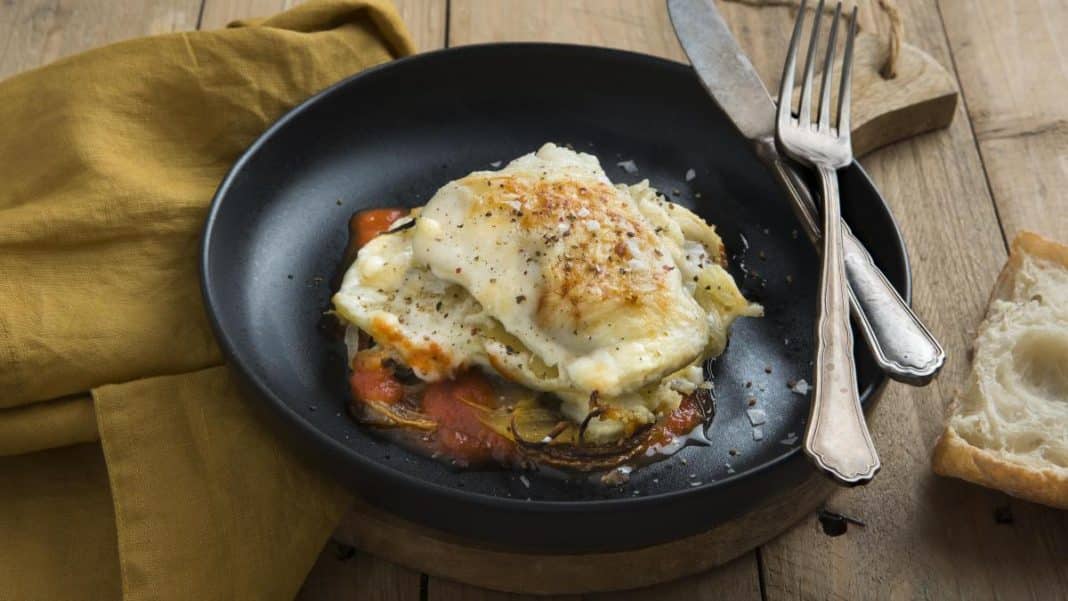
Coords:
pixel 801 387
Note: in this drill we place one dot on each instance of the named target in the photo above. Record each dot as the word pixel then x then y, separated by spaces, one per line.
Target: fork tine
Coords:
pixel 844 95
pixel 828 65
pixel 805 113
pixel 786 84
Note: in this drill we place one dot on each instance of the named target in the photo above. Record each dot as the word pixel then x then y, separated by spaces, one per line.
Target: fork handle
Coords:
pixel 837 437
pixel 902 345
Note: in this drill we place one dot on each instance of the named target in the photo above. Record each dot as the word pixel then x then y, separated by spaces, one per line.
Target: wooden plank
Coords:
pixel 425 18
pixel 926 537
pixel 343 574
pixel 639 25
pixel 1013 68
pixel 217 13
pixel 736 580
pixel 36 32
pixel 642 26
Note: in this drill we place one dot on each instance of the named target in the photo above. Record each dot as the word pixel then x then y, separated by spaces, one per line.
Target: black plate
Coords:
pixel 391 136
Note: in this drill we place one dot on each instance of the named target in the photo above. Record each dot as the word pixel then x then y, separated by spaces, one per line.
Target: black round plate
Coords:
pixel 391 136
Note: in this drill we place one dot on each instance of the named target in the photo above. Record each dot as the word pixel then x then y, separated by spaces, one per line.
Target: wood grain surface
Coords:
pixel 1002 166
pixel 35 32
pixel 1012 60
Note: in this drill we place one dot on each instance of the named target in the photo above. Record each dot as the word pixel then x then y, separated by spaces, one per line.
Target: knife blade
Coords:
pixel 902 345
pixel 723 68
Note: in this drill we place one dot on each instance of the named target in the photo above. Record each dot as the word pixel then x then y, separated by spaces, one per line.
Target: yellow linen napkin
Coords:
pixel 107 164
pixel 48 425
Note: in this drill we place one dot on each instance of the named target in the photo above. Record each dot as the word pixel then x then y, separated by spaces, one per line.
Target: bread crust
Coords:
pixel 1026 243
pixel 954 456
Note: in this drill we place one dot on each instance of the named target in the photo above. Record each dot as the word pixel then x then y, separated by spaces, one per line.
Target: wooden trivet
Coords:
pixel 445 555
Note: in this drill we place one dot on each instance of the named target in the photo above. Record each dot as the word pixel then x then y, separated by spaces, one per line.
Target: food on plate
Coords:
pixel 537 314
pixel 1009 429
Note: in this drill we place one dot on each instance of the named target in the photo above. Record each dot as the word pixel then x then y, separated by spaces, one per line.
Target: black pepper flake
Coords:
pixel 438 306
pixel 343 552
pixel 733 452
pixel 289 276
pixel 459 269
pixel 519 299
pixel 1003 515
pixel 751 401
pixel 836 524
pixel 767 369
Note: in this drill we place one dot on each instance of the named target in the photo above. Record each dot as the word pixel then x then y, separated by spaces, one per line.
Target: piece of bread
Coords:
pixel 1009 430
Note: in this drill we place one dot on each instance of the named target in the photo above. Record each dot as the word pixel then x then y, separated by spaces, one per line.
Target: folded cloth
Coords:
pixel 107 164
pixel 48 425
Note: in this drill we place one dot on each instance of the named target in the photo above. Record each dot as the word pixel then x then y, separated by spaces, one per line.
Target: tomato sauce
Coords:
pixel 461 435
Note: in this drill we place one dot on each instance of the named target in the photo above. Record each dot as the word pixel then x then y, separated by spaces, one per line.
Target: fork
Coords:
pixel 836 437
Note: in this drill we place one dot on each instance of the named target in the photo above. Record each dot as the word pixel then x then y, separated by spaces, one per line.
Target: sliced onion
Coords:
pixel 397 415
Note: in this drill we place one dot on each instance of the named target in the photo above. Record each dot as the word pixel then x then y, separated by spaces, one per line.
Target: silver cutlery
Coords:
pixel 836 437
pixel 902 346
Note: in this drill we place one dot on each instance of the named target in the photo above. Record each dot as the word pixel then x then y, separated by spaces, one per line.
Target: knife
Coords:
pixel 902 345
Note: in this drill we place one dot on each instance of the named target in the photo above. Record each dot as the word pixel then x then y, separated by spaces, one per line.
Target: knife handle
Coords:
pixel 902 345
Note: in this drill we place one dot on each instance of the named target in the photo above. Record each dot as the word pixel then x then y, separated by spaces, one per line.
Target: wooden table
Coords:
pixel 959 196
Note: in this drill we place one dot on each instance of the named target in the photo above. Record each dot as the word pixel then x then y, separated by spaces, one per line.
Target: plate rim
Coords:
pixel 240 367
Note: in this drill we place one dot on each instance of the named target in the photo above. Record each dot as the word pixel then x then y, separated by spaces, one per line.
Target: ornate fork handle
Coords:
pixel 837 438
pixel 902 345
